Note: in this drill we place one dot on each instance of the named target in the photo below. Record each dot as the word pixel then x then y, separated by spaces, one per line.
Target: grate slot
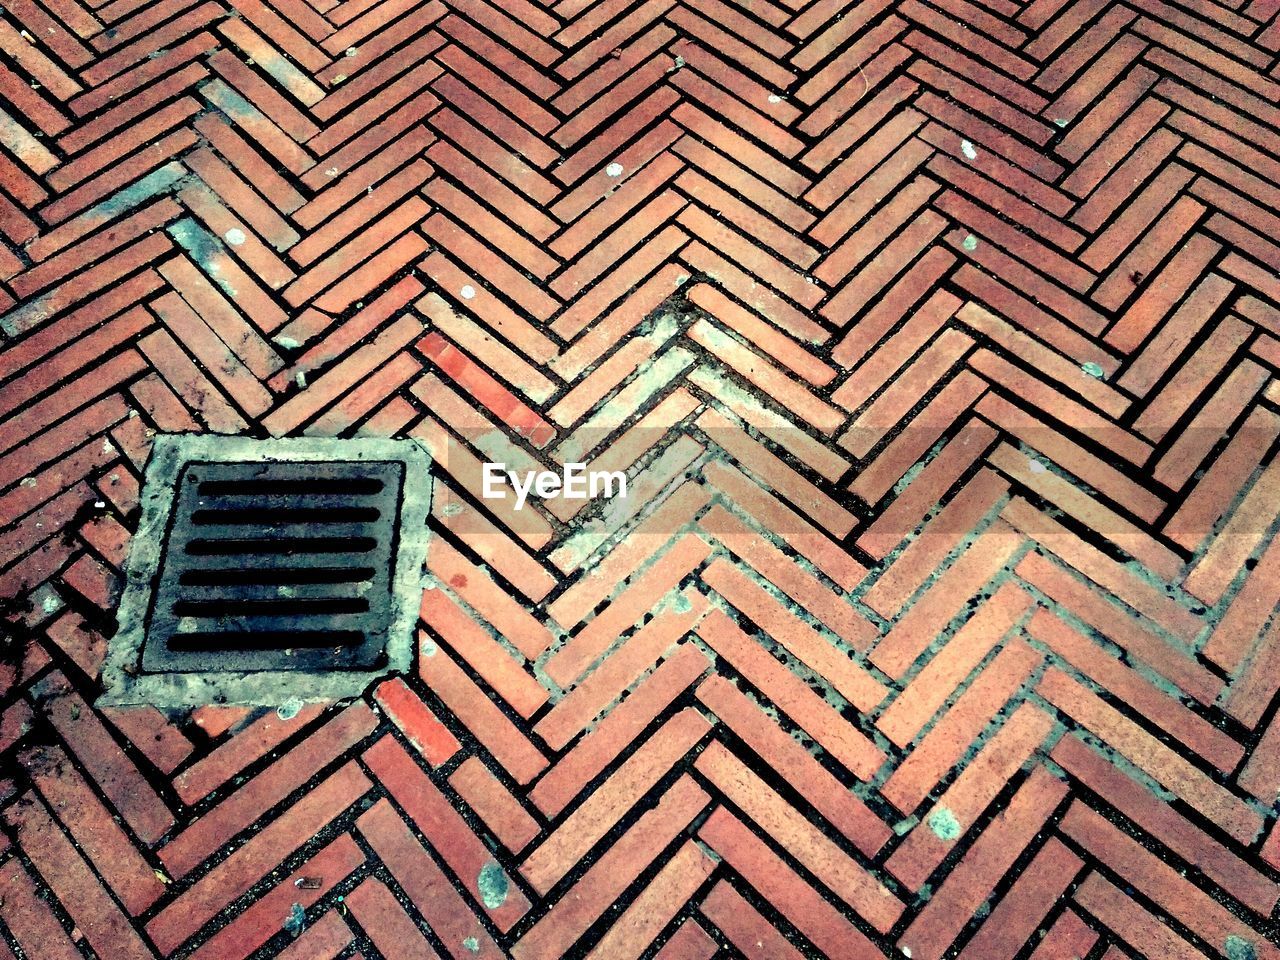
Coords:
pixel 290 545
pixel 264 487
pixel 277 640
pixel 238 607
pixel 283 516
pixel 271 576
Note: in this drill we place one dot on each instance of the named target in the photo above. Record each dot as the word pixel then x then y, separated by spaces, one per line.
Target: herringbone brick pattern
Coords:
pixel 939 338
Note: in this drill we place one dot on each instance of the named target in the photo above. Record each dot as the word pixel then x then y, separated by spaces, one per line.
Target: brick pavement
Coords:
pixel 940 342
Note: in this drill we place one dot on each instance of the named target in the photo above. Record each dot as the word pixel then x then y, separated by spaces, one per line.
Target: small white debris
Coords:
pixel 468 292
pixel 906 952
pixel 968 150
pixel 1061 121
pixel 774 98
pixel 289 709
pixel 970 242
pixel 339 78
pixel 99 505
pixel 1035 466
pixel 234 236
pixel 300 378
pixel 287 343
pixel 613 170
pixel 331 172
pixel 351 51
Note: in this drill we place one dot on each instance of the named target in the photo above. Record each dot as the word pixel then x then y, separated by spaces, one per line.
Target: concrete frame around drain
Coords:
pixel 126 686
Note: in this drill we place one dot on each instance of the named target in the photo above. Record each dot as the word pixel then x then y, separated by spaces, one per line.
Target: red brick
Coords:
pixel 260 854
pixel 610 874
pixel 823 858
pixel 94 831
pixel 744 927
pixel 1159 881
pixel 846 812
pixel 560 852
pixel 445 830
pixel 29 917
pixel 426 884
pixel 960 805
pixel 1146 752
pixel 1159 819
pixel 265 918
pixel 421 727
pixel 829 931
pixel 677 881
pixel 601 745
pixel 95 913
pixel 495 804
pixel 105 762
pixel 982 866
pixel 808 710
pixel 392 930
pixel 192 846
pixel 244 747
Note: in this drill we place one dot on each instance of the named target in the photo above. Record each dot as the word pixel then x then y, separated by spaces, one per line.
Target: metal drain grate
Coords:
pixel 278 566
pixel 264 571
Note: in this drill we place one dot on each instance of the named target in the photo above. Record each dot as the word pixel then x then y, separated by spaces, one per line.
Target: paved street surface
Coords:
pixel 939 342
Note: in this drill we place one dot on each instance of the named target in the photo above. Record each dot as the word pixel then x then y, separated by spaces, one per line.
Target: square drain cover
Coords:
pixel 271 570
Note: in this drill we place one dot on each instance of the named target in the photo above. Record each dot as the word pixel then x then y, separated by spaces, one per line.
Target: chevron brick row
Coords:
pixel 938 342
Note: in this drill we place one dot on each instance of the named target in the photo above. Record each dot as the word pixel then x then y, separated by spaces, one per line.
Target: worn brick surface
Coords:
pixel 939 341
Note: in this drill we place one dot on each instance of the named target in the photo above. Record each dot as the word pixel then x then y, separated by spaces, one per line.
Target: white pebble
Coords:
pixel 774 98
pixel 1035 466
pixel 613 170
pixel 468 292
pixel 968 150
pixel 234 236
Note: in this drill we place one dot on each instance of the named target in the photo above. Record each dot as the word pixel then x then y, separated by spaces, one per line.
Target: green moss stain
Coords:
pixel 493 885
pixel 200 243
pixel 229 102
pixel 296 921
pixel 1238 948
pixel 153 184
pixel 944 824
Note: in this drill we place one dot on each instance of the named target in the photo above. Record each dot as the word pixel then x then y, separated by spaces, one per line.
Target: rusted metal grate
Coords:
pixel 271 570
pixel 277 566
